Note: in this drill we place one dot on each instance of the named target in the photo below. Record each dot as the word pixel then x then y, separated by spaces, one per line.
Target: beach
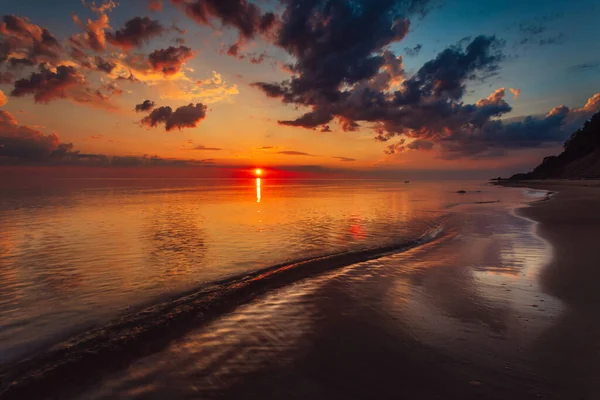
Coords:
pixel 570 221
pixel 495 299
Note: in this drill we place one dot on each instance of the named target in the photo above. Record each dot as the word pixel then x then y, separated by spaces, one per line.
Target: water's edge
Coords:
pixel 86 357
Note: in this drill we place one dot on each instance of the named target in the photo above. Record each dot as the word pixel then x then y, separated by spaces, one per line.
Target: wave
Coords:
pixel 86 357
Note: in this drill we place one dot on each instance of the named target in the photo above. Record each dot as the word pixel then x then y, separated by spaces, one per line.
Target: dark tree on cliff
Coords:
pixel 582 143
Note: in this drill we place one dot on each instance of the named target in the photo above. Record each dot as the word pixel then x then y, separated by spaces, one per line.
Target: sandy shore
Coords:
pixel 570 222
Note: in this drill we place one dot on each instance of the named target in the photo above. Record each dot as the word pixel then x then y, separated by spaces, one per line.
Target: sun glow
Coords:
pixel 258 171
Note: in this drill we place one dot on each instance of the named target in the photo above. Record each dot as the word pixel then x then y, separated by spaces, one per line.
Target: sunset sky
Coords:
pixel 361 85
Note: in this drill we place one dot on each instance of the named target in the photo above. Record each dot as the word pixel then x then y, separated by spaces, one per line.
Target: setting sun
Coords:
pixel 258 171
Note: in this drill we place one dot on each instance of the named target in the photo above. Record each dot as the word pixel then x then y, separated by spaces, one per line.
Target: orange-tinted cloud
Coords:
pixel 94 36
pixel 25 43
pixel 155 5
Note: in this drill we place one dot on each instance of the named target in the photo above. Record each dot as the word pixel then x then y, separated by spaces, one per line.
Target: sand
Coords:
pixel 570 221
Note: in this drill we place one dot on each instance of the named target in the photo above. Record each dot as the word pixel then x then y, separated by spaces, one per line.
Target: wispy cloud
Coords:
pixel 205 148
pixel 345 159
pixel 295 153
pixel 583 67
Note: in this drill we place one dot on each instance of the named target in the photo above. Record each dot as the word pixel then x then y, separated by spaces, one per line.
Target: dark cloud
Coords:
pixel 583 67
pixel 24 142
pixel 146 106
pixel 266 148
pixel 295 153
pixel 183 117
pixel 434 92
pixel 350 75
pixel 170 60
pixel 201 147
pixel 243 15
pixel 17 63
pixel 330 51
pixel 413 51
pixel 537 33
pixel 345 159
pixel 137 31
pixel 528 28
pixel 105 65
pixel 6 77
pixel 47 85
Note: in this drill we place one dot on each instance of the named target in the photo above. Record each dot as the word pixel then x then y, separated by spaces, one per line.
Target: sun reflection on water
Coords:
pixel 258 190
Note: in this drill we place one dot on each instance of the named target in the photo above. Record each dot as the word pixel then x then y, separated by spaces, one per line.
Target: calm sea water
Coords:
pixel 75 254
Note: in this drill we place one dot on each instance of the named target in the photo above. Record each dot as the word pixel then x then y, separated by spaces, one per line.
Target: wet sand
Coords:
pixel 570 221
pixel 461 317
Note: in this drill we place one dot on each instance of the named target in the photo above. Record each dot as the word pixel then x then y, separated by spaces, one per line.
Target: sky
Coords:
pixel 386 87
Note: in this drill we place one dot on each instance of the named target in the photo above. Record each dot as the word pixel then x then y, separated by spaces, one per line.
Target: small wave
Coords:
pixel 86 357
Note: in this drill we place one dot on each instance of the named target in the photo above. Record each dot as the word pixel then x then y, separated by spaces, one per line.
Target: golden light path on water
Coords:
pixel 258 190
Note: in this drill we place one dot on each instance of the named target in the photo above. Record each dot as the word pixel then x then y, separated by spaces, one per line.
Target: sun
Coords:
pixel 258 171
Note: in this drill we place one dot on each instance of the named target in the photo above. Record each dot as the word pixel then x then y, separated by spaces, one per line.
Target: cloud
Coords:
pixel 355 79
pixel 104 65
pixel 64 82
pixel 6 77
pixel 330 52
pixel 30 42
pixel 515 92
pixel 20 141
pixel 432 96
pixel 592 105
pixel 243 15
pixel 3 99
pixel 170 60
pixel 183 117
pixel 94 36
pixel 208 91
pixel 536 33
pixel 583 67
pixel 402 146
pixel 102 8
pixel 146 105
pixel 204 148
pixel 345 159
pixel 136 32
pixel 155 5
pixel 295 153
pixel 413 51
pixel 48 84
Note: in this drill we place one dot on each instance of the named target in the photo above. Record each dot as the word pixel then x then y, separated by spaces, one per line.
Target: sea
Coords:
pixel 84 262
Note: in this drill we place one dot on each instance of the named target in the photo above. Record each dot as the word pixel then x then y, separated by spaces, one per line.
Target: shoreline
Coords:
pixel 570 223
